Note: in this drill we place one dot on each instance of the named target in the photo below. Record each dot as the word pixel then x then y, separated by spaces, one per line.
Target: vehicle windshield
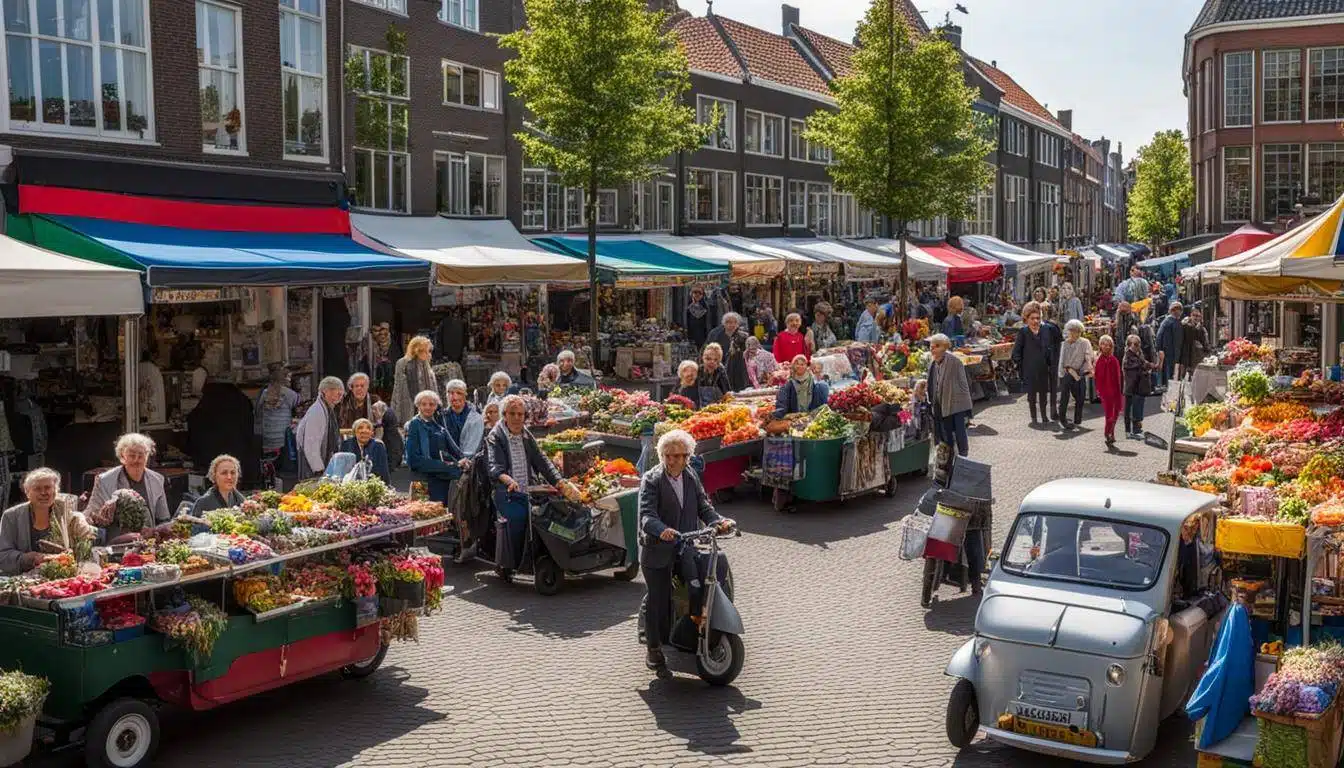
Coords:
pixel 1100 552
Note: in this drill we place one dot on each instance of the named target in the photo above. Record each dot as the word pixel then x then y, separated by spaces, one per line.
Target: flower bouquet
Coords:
pixel 126 509
pixel 21 700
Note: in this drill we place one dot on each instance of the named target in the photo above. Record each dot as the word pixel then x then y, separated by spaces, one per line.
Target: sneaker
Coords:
pixel 656 661
pixel 467 553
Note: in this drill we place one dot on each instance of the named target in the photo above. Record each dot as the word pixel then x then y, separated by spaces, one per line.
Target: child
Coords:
pixel 1110 385
pixel 1138 384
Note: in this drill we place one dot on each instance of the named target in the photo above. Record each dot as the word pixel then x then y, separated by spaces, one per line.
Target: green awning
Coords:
pixel 634 263
pixel 39 230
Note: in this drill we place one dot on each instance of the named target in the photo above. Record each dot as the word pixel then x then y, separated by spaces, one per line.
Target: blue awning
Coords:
pixel 196 258
pixel 632 262
pixel 1165 265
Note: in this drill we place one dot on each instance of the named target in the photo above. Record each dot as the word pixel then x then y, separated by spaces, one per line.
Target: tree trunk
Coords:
pixel 590 208
pixel 903 303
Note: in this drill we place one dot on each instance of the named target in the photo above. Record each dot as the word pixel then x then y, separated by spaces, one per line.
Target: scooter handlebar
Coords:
pixel 709 531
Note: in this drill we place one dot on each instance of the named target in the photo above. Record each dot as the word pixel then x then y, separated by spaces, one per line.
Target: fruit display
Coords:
pixel 1240 350
pixel 196 629
pixel 854 399
pixel 1306 681
pixel 743 434
pixel 826 424
pixel 1270 414
pixel 75 586
pixel 620 467
pixel 1249 383
pixel 890 393
pixel 314 581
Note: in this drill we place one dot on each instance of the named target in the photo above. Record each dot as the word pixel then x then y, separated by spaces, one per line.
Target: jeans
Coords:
pixel 1069 387
pixel 516 509
pixel 952 430
pixel 1133 413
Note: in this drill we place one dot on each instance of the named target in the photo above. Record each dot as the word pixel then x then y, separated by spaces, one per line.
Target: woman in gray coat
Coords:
pixel 133 451
pixel 949 394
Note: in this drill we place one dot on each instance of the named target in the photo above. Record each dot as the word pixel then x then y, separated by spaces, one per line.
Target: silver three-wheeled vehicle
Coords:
pixel 1093 627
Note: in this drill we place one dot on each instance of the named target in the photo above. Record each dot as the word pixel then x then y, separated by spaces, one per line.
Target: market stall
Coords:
pixel 805 276
pixel 1019 264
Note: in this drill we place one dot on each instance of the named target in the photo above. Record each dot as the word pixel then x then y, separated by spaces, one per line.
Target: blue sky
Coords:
pixel 1115 63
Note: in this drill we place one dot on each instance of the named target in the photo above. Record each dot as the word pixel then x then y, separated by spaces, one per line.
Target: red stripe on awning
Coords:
pixel 963 267
pixel 184 214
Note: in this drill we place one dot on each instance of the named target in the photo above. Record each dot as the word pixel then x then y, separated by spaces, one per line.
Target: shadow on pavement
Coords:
pixel 702 715
pixel 952 613
pixel 1073 433
pixel 820 524
pixel 1173 749
pixel 587 605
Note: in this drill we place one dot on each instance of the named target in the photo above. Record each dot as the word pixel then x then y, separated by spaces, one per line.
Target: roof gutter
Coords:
pixel 1022 114
pixel 1195 35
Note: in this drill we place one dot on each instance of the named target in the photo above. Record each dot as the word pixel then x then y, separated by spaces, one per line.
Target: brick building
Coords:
pixel 1264 82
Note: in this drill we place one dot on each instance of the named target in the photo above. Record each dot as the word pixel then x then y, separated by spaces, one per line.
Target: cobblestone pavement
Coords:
pixel 843 666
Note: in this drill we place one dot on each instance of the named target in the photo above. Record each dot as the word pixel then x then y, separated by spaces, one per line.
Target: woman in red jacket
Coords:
pixel 790 342
pixel 1109 385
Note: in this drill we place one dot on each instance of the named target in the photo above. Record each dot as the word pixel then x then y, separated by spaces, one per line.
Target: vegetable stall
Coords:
pixel 202 612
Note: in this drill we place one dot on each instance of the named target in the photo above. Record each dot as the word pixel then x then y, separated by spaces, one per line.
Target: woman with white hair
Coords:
pixel 760 363
pixel 368 448
pixel 547 378
pixel 949 394
pixel 45 516
pixel 688 385
pixel 713 376
pixel 731 337
pixel 501 384
pixel 820 335
pixel 413 375
pixel 1071 305
pixel 357 403
pixel 431 452
pixel 1075 363
pixel 133 451
pixel 463 421
pixel 569 375
pixel 790 341
pixel 224 474
pixel 802 393
pixel 672 500
pixel 319 432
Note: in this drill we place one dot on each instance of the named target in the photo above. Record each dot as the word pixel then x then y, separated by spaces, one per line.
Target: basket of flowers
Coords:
pixel 21 699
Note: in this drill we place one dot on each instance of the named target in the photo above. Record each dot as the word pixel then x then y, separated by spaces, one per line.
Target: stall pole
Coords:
pixel 1329 334
pixel 130 372
pixel 364 308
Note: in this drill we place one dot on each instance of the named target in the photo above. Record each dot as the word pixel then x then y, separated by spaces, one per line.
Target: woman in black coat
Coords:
pixel 1034 356
pixel 732 340
pixel 1137 369
pixel 698 321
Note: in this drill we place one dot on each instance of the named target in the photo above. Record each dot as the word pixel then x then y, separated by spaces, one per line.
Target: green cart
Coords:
pixel 810 470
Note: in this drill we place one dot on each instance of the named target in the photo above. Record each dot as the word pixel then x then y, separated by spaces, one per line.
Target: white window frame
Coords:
pixel 468 14
pixel 1238 58
pixel 484 77
pixel 1339 75
pixel 715 202
pixel 463 161
pixel 797 211
pixel 528 209
pixel 704 108
pixel 648 201
pixel 397 7
pixel 760 186
pixel 1222 187
pixel 759 133
pixel 1265 64
pixel 95 44
pixel 982 202
pixel 1047 223
pixel 1264 169
pixel 237 73
pixel 610 195
pixel 1016 190
pixel 1309 178
pixel 388 100
pixel 1047 149
pixel 1016 139
pixel 819 213
pixel 292 7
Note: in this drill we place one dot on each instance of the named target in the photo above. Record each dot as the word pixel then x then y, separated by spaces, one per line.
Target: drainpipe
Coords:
pixel 341 89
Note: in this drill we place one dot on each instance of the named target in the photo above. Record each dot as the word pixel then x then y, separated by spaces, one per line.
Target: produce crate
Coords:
pixel 1322 733
pixel 1261 537
pixel 821 475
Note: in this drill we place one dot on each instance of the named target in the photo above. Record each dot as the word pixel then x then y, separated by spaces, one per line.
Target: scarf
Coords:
pixel 273 393
pixel 697 309
pixel 803 387
pixel 348 411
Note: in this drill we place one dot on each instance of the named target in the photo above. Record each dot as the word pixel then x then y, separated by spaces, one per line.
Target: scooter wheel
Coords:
pixel 548 576
pixel 727 655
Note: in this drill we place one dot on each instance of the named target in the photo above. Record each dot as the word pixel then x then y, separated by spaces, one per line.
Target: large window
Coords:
pixel 765 199
pixel 1282 178
pixel 381 178
pixel 1014 137
pixel 801 149
pixel 1047 223
pixel 654 206
pixel 763 134
pixel 396 6
pixel 534 198
pixel 461 13
pixel 1238 88
pixel 797 204
pixel 1325 170
pixel 470 184
pixel 303 78
pixel 1016 209
pixel 1236 183
pixel 1282 86
pixel 79 67
pixel 1047 150
pixel 819 208
pixel 548 205
pixel 981 221
pixel 466 86
pixel 219 38
pixel 1325 84
pixel 724 135
pixel 710 196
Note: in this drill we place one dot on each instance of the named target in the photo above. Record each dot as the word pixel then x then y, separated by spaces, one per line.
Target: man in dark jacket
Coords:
pixel 1048 322
pixel 1170 342
pixel 1194 344
pixel 672 501
pixel 1036 360
pixel 698 320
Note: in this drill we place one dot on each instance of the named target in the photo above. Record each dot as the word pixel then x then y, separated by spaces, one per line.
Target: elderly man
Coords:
pixel 357 403
pixel 319 433
pixel 732 340
pixel 866 329
pixel 1194 344
pixel 133 451
pixel 672 500
pixel 463 421
pixel 1170 342
pixel 569 375
pixel 46 515
pixel 1136 288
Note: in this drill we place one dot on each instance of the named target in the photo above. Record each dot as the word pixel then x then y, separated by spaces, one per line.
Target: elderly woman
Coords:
pixel 672 500
pixel 46 515
pixel 819 376
pixel 413 375
pixel 501 385
pixel 515 461
pixel 319 432
pixel 866 329
pixel 790 341
pixel 949 394
pixel 569 375
pixel 688 386
pixel 760 363
pixel 801 393
pixel 547 378
pixel 432 453
pixel 367 447
pixel 713 376
pixel 1034 356
pixel 1075 363
pixel 274 410
pixel 953 324
pixel 357 402
pixel 1071 307
pixel 820 335
pixel 491 417
pixel 223 474
pixel 732 340
pixel 133 451
pixel 463 421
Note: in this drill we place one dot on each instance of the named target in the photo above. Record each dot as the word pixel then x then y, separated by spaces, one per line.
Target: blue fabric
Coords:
pixel 866 329
pixel 786 399
pixel 428 444
pixel 174 257
pixel 455 421
pixel 1222 697
pixel 514 508
pixel 631 256
pixel 375 452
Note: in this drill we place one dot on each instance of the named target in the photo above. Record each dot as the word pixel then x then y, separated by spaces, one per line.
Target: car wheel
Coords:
pixel 362 669
pixel 124 734
pixel 963 716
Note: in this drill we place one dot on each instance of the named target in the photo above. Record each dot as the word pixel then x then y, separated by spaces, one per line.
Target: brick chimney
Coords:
pixel 952 34
pixel 789 16
pixel 1065 117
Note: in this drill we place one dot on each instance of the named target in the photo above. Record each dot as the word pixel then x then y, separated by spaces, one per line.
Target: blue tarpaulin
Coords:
pixel 195 258
pixel 1166 266
pixel 628 256
pixel 1223 695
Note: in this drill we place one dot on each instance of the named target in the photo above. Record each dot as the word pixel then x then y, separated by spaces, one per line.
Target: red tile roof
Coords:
pixel 705 47
pixel 773 57
pixel 1015 94
pixel 835 55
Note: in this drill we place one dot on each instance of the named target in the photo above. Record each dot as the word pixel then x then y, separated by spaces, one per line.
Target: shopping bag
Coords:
pixel 946 534
pixel 914 533
pixel 504 554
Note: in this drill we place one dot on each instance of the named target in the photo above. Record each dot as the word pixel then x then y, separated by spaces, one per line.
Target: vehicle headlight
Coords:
pixel 981 648
pixel 1115 675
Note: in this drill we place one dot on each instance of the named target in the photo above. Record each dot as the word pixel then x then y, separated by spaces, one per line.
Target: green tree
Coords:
pixel 907 142
pixel 603 82
pixel 1163 188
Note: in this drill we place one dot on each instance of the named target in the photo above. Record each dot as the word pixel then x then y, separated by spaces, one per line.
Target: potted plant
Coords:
pixel 409 583
pixel 21 699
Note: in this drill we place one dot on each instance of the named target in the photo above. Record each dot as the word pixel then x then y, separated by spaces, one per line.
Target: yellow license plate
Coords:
pixel 1058 733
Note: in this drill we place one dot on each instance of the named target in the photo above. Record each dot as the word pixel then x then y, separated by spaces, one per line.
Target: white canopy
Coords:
pixel 795 261
pixel 860 263
pixel 467 251
pixel 1027 262
pixel 745 264
pixel 923 266
pixel 35 282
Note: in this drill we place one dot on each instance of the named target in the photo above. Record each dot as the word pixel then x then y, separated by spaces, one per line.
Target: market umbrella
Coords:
pixel 1301 264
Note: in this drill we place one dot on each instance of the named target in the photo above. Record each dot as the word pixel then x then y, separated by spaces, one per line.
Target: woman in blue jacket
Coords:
pixel 801 393
pixel 431 452
pixel 365 446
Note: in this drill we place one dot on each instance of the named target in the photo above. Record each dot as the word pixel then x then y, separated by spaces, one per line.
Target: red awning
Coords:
pixel 1243 239
pixel 184 214
pixel 963 267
